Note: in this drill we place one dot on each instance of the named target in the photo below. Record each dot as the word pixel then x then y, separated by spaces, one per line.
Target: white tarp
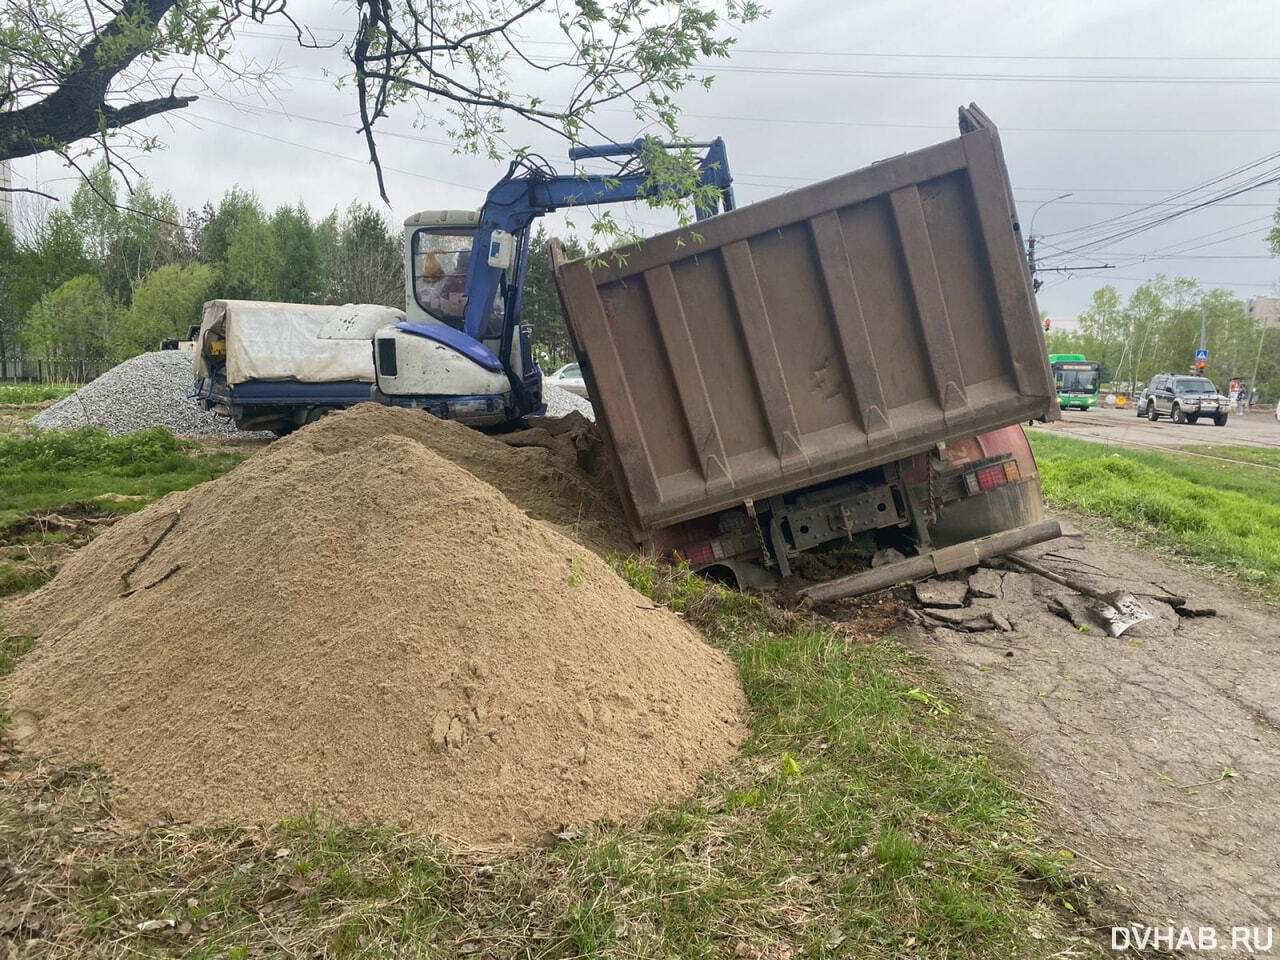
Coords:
pixel 284 341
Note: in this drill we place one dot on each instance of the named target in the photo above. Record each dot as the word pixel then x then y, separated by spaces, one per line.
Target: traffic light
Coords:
pixel 1046 324
pixel 1199 366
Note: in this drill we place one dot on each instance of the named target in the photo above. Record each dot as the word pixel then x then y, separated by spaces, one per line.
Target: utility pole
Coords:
pixel 1198 366
pixel 1262 335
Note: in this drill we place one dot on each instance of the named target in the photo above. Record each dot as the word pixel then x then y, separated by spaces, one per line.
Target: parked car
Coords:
pixel 1140 404
pixel 569 377
pixel 1184 399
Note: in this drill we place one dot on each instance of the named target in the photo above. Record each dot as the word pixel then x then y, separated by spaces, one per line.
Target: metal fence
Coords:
pixel 52 371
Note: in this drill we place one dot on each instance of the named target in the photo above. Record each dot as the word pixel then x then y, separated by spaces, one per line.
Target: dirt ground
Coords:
pixel 1161 748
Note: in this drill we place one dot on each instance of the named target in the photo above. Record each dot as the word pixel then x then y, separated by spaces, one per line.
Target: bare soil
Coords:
pixel 350 623
pixel 1160 749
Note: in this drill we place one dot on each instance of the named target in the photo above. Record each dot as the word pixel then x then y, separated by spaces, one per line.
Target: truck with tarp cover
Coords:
pixel 277 366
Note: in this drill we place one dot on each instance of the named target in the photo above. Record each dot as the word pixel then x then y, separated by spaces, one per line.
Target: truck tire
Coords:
pixel 1178 415
pixel 1219 419
pixel 1151 411
pixel 1193 418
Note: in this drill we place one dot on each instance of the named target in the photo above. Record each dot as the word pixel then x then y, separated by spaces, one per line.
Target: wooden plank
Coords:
pixel 682 354
pixel 762 349
pixel 931 305
pixel 851 324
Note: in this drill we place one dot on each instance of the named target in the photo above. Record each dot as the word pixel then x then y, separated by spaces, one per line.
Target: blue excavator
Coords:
pixel 461 352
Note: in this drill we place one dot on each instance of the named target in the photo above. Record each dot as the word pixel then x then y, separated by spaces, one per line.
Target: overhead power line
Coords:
pixel 329 153
pixel 991 77
pixel 1152 215
pixel 288 33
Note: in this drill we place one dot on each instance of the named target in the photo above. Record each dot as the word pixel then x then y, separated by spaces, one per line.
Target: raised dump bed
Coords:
pixel 849 324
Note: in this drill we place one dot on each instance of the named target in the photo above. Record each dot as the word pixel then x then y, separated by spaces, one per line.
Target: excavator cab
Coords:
pixel 461 351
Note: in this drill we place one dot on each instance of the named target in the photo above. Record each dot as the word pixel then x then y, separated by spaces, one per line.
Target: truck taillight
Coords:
pixel 988 478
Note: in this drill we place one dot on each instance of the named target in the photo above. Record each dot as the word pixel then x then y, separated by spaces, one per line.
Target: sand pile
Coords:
pixel 352 623
pixel 554 471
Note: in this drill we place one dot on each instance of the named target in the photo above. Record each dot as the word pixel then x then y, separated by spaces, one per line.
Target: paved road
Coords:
pixel 1125 428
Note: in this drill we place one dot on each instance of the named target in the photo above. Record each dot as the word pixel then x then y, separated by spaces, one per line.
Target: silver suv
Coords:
pixel 1184 399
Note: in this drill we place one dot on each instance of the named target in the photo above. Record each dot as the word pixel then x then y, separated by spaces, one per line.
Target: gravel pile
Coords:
pixel 154 390
pixel 560 402
pixel 150 390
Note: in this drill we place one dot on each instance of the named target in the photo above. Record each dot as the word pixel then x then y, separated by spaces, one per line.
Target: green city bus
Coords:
pixel 1076 379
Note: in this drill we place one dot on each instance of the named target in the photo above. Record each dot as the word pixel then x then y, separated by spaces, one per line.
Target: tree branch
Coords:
pixel 78 108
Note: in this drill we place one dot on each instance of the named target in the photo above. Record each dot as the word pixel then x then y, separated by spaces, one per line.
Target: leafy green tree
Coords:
pixel 245 246
pixel 10 266
pixel 301 278
pixel 1103 328
pixel 47 257
pixel 540 305
pixel 236 207
pixel 127 239
pixel 254 264
pixel 165 304
pixel 75 322
pixel 1161 323
pixel 362 254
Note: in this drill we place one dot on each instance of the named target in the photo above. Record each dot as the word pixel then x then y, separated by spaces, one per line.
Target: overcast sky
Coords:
pixel 1121 105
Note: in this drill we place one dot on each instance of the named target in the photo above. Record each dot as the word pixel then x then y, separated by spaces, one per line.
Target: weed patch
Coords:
pixel 47 470
pixel 24 393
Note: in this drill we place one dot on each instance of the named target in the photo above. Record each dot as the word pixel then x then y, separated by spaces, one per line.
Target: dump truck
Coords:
pixel 851 358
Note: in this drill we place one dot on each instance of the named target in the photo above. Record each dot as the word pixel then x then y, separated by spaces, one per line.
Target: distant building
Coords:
pixel 1264 309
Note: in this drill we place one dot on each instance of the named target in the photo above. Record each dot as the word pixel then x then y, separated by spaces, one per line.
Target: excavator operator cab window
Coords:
pixel 441 259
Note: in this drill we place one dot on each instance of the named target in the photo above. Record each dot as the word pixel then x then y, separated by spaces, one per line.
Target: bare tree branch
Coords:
pixel 78 108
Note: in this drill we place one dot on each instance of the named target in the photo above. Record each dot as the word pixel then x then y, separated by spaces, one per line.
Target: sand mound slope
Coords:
pixel 360 626
pixel 542 480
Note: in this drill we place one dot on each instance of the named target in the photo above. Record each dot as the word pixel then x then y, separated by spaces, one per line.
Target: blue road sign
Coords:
pixel 1202 355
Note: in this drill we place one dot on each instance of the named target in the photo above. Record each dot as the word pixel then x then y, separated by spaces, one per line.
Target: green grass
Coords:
pixel 1219 513
pixel 1266 456
pixel 20 393
pixel 54 468
pixel 866 817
